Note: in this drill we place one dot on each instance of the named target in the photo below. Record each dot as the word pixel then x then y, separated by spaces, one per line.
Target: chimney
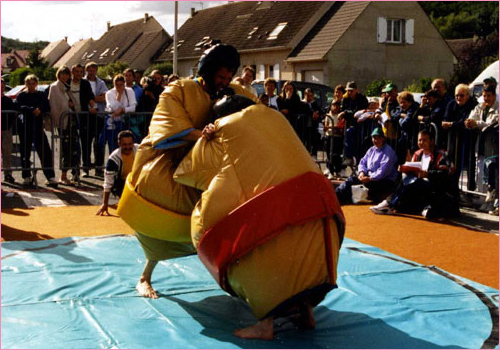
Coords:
pixel 193 11
pixel 146 17
pixel 109 25
pixel 66 38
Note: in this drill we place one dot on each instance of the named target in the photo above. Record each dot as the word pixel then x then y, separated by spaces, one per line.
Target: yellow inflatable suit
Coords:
pixel 155 206
pixel 268 225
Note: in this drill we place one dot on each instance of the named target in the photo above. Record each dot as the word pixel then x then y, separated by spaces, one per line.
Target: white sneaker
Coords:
pixel 382 208
pixel 27 180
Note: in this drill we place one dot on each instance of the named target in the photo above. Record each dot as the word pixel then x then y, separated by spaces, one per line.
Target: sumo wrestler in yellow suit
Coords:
pixel 156 207
pixel 268 226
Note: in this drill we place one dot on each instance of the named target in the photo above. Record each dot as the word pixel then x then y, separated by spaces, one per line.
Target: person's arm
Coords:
pixel 132 103
pixel 109 180
pixel 112 104
pixel 101 91
pixel 475 116
pixel 363 167
pixel 104 206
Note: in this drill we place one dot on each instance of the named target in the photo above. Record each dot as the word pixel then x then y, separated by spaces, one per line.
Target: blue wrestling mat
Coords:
pixel 79 293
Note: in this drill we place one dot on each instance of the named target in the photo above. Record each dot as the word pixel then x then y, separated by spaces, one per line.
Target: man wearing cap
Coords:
pixel 155 206
pixel 377 171
pixel 354 102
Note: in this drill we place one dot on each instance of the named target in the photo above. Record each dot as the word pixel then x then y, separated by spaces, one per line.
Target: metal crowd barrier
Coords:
pixel 467 149
pixel 64 147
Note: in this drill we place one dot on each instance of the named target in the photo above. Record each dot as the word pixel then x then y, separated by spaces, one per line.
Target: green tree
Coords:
pixel 17 76
pixel 375 87
pixel 13 44
pixel 38 64
pixel 475 57
pixel 164 67
pixel 108 71
pixel 420 85
pixel 479 18
pixel 456 26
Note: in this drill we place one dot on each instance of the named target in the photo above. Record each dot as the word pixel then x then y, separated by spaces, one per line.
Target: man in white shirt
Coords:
pixel 118 166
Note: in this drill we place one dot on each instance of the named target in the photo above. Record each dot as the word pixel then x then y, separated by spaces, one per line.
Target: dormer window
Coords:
pixel 104 54
pixel 252 32
pixel 202 42
pixel 276 31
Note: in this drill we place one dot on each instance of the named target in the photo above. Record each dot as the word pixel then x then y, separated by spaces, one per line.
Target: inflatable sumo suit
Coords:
pixel 268 225
pixel 155 206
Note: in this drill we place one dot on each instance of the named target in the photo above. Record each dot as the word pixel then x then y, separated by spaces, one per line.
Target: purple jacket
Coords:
pixel 379 164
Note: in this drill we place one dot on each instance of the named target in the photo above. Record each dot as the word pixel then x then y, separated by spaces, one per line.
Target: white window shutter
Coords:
pixel 409 30
pixel 381 30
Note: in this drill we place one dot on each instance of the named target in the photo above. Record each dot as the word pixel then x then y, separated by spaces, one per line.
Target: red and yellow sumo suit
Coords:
pixel 155 206
pixel 268 225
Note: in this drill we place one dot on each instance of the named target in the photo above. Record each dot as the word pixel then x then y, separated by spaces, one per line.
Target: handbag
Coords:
pixel 360 194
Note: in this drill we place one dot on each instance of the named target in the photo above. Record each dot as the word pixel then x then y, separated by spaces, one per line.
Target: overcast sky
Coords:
pixel 53 20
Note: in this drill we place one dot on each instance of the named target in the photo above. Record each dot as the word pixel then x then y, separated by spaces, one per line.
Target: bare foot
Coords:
pixel 144 286
pixel 263 329
pixel 146 290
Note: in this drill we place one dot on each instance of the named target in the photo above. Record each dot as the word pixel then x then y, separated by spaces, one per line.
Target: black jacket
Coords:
pixel 86 94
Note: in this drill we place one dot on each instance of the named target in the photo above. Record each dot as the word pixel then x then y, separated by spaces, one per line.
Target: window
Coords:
pixel 276 31
pixel 395 31
pixel 252 32
pixel 201 43
pixel 104 54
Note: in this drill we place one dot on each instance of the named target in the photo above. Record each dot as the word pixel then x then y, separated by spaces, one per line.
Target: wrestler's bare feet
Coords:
pixel 144 286
pixel 146 290
pixel 263 329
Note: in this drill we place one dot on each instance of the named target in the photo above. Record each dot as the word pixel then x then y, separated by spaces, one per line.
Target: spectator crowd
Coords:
pixel 372 139
pixel 82 113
